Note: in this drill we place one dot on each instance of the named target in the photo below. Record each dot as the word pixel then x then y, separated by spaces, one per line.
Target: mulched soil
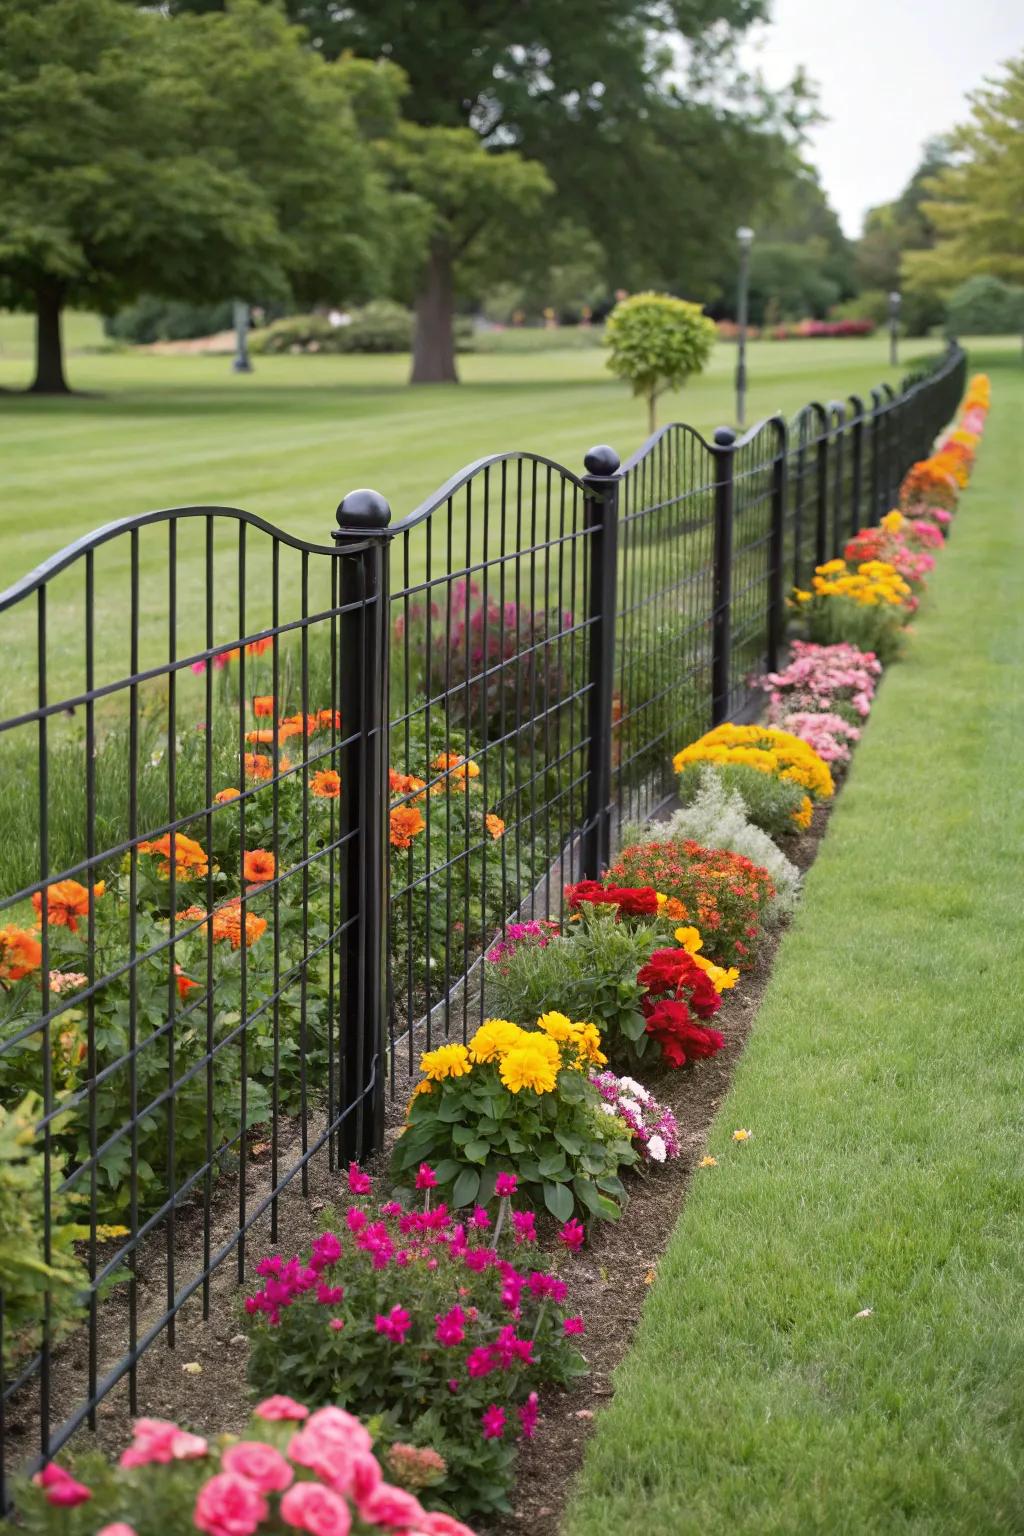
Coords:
pixel 201 1382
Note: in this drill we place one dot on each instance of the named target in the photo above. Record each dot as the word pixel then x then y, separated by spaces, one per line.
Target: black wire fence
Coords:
pixel 267 804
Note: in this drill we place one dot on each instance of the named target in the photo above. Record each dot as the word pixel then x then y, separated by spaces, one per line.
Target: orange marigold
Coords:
pixel 460 768
pixel 405 784
pixel 326 718
pixel 227 924
pixel 495 826
pixel 300 722
pixel 66 902
pixel 258 866
pixel 257 647
pixel 406 822
pixel 190 858
pixel 20 953
pixel 224 795
pixel 263 706
pixel 326 784
pixel 257 765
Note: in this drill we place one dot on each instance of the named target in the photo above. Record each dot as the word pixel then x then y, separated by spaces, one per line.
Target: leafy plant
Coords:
pixel 442 1331
pixel 724 895
pixel 656 343
pixel 517 1101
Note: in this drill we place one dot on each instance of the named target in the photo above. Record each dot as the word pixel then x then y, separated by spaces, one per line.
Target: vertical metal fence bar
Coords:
pixel 723 452
pixel 602 512
pixel 821 486
pixel 856 517
pixel 777 547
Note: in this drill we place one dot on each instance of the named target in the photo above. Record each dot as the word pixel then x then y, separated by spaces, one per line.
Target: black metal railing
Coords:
pixel 267 805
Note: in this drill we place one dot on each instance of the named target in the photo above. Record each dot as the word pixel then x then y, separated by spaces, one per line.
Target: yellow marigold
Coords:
pixel 588 1046
pixel 721 979
pixel 689 938
pixel 494 1038
pixel 423 1086
pixel 803 813
pixel 524 1066
pixel 557 1026
pixel 445 1061
pixel 893 521
pixel 765 748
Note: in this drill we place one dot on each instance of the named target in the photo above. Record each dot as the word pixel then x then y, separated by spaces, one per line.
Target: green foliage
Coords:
pixel 469 1127
pixel 26 1276
pixel 589 972
pixel 403 1384
pixel 787 282
pixel 381 326
pixel 233 162
pixel 770 802
pixel 152 319
pixel 984 306
pixel 878 628
pixel 656 343
pixel 975 203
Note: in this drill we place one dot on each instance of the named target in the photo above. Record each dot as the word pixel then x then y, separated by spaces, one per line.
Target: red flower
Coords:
pixel 636 901
pixel 672 970
pixel 670 1024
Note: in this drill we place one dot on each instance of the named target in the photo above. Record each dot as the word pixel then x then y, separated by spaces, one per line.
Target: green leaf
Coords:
pixel 551 1165
pixel 572 1143
pixel 466 1188
pixel 559 1201
pixel 477 1151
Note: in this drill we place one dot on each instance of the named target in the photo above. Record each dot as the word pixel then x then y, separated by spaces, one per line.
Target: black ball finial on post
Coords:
pixel 362 511
pixel 602 461
pixel 724 437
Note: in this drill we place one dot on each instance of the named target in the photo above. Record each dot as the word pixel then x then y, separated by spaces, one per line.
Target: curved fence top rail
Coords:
pixel 681 426
pixel 463 476
pixel 103 535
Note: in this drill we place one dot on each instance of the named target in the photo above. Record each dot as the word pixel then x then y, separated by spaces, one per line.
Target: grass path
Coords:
pixel 884 1088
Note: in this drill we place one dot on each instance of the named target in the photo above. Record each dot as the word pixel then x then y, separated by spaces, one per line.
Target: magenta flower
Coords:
pixel 359 1183
pixel 528 1413
pixel 493 1421
pixel 523 1226
pixel 505 1184
pixel 395 1326
pixel 426 1178
pixel 450 1330
pixel 355 1218
pixel 479 1217
pixel 572 1235
pixel 62 1490
pixel 326 1250
pixel 480 1362
pixel 573 1325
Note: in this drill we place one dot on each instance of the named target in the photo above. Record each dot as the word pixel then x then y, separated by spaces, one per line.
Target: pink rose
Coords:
pixel 388 1505
pixel 259 1464
pixel 311 1507
pixel 117 1529
pixel 160 1440
pixel 62 1490
pixel 280 1407
pixel 229 1506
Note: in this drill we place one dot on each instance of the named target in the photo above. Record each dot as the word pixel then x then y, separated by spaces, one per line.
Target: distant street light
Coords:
pixel 894 328
pixel 241 363
pixel 745 237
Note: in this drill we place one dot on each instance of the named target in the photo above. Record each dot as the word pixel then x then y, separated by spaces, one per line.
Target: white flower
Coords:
pixel 631 1107
pixel 609 1109
pixel 630 1085
pixel 656 1149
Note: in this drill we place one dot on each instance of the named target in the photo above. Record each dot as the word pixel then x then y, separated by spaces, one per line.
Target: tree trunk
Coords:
pixel 49 379
pixel 433 346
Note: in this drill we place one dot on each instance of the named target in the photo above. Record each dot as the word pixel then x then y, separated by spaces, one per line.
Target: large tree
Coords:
pixel 636 109
pixel 976 203
pixel 194 157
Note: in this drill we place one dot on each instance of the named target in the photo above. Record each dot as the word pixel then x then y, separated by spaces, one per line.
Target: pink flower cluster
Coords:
pixel 829 735
pixel 922 534
pixel 653 1128
pixel 819 677
pixel 322 1478
pixel 538 932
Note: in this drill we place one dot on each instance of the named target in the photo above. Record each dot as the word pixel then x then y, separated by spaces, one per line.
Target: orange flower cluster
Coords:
pixel 326 785
pixel 258 867
pixel 461 769
pixel 227 924
pixel 406 823
pixel 66 902
pixel 190 859
pixel 406 784
pixel 495 826
pixel 20 954
pixel 938 480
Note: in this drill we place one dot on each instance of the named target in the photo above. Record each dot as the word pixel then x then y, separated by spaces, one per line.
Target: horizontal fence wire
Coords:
pixel 268 806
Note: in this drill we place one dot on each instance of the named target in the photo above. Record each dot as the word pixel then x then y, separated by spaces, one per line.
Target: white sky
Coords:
pixel 890 73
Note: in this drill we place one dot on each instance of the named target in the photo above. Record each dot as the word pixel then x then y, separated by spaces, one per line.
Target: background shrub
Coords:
pixel 985 306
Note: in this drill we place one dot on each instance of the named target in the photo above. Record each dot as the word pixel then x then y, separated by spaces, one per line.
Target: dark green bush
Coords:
pixel 151 319
pixel 984 306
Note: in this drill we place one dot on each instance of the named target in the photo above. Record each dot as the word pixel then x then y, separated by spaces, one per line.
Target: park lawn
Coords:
pixel 883 1090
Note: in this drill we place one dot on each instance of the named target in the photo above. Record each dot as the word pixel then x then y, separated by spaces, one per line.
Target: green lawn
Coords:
pixel 883 1089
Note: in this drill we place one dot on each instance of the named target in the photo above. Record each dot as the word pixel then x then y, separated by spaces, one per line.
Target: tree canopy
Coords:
pixel 976 202
pixel 196 157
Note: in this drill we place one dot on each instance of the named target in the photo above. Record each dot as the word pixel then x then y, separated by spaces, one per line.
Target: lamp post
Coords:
pixel 894 328
pixel 241 362
pixel 745 236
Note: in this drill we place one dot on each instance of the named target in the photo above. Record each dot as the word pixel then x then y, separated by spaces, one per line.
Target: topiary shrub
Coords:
pixel 657 343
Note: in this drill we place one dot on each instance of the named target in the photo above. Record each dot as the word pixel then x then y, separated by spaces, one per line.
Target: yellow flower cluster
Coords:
pixel 764 748
pixel 979 393
pixel 720 978
pixel 893 521
pixel 874 582
pixel 526 1058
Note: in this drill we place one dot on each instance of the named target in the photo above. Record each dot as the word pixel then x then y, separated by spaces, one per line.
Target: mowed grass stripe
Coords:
pixel 883 1087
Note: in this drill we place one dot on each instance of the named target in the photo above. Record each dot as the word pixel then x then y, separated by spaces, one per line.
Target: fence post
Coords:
pixel 821 496
pixel 602 519
pixel 364 554
pixel 876 455
pixel 776 548
pixel 723 449
pixel 837 425
pixel 857 480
